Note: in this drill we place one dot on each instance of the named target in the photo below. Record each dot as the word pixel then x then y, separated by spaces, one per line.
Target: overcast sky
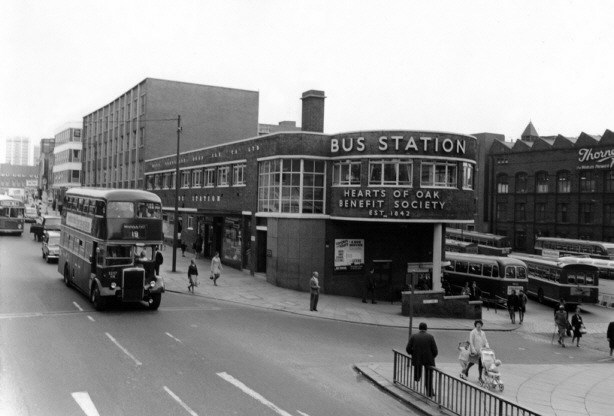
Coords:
pixel 459 66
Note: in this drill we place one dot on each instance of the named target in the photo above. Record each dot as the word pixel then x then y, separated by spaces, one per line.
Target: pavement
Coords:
pixel 548 389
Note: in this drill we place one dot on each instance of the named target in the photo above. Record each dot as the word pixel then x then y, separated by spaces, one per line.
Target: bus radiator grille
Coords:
pixel 132 285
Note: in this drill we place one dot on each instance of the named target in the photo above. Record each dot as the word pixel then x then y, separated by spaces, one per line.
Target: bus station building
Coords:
pixel 289 203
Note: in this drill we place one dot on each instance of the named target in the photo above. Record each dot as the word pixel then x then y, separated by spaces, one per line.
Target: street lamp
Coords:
pixel 176 195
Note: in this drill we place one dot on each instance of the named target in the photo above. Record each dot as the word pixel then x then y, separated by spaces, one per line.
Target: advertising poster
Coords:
pixel 349 254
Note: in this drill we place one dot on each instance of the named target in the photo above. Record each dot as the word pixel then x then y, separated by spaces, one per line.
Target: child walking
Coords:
pixel 463 358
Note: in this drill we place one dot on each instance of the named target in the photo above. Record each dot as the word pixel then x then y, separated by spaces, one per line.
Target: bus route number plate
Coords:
pixel 134 231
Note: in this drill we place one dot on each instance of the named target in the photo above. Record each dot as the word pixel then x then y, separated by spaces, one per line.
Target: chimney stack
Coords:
pixel 313 111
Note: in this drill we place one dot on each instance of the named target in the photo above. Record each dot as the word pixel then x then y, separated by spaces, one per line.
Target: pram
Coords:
pixel 491 378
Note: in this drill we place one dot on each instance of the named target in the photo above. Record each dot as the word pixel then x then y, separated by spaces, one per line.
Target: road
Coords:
pixel 194 356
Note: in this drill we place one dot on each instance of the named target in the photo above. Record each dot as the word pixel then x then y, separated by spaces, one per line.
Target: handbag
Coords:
pixel 568 329
pixel 583 329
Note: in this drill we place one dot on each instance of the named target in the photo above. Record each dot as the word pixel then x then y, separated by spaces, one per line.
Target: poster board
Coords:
pixel 349 254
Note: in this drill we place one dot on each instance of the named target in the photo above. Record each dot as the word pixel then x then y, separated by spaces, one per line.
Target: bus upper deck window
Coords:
pixel 120 210
pixel 100 208
pixel 522 272
pixel 510 272
pixel 495 270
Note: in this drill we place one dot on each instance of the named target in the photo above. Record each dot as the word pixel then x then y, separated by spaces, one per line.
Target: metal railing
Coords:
pixel 453 394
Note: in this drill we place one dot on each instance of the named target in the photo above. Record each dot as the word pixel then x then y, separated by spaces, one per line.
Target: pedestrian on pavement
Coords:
pixel 560 320
pixel 577 324
pixel 158 260
pixel 610 336
pixel 422 349
pixel 369 285
pixel 216 268
pixel 558 305
pixel 477 342
pixel 522 304
pixel 475 293
pixel 513 305
pixel 192 276
pixel 314 289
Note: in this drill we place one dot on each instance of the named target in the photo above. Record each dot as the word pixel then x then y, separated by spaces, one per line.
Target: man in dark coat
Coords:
pixel 610 336
pixel 158 260
pixel 369 285
pixel 423 350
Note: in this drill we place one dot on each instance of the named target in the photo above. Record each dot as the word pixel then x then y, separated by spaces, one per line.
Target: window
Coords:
pixel 502 184
pixel 440 174
pixel 390 172
pixel 150 182
pixel 501 211
pixel 562 213
pixel 120 210
pixel 346 173
pixel 185 179
pixel 608 214
pixel 222 176
pixel 468 175
pixel 587 181
pixel 291 185
pixel 540 212
pixel 587 214
pixel 238 174
pixel 210 177
pixel 521 183
pixel 609 181
pixel 563 182
pixel 313 186
pixel 520 211
pixel 190 222
pixel 541 182
pixel 196 173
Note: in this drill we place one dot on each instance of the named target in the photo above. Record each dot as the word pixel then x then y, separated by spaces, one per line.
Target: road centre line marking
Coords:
pixel 302 413
pixel 137 362
pixel 90 318
pixel 252 393
pixel 178 400
pixel 84 401
pixel 176 339
pixel 78 307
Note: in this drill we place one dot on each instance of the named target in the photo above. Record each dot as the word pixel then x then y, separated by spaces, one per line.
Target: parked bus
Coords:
pixel 496 276
pixel 107 245
pixel 491 244
pixel 12 215
pixel 554 279
pixel 606 267
pixel 461 246
pixel 560 247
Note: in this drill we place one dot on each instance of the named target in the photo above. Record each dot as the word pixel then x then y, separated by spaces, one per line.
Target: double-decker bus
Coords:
pixel 107 245
pixel 12 215
pixel 496 276
pixel 560 247
pixel 491 244
pixel 553 279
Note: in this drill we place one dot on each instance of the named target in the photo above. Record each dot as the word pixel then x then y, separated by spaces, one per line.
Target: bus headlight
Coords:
pixel 152 283
pixel 113 285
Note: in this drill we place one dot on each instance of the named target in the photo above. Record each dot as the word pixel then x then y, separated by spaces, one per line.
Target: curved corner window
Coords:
pixel 438 174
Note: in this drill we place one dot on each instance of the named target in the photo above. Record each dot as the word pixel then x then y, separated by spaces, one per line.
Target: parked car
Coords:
pixel 45 223
pixel 51 245
pixel 30 214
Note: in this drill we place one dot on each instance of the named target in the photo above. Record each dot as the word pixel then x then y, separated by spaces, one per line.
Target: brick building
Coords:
pixel 142 124
pixel 551 186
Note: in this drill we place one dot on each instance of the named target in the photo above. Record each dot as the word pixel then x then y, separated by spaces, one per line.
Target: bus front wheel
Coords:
pixel 540 296
pixel 156 298
pixel 97 300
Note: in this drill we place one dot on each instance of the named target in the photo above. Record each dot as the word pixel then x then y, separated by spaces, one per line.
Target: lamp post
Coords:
pixel 176 223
